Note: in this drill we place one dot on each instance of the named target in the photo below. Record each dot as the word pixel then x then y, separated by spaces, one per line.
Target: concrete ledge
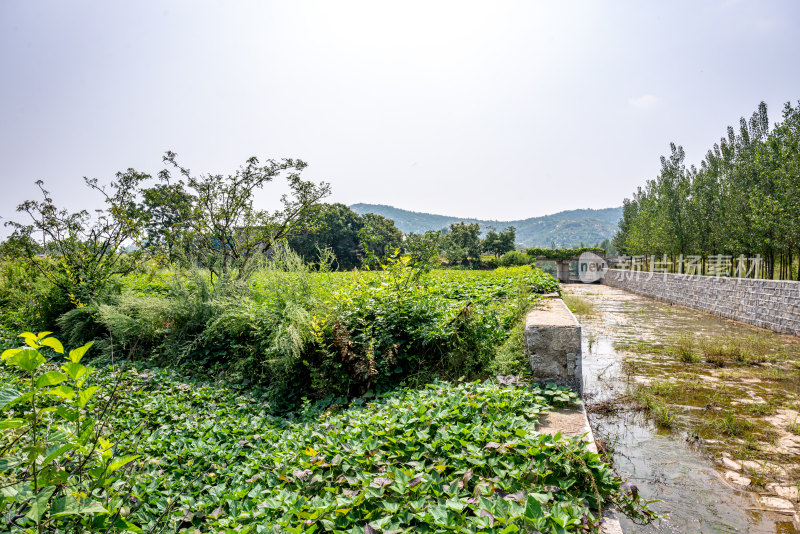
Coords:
pixel 553 344
pixel 553 347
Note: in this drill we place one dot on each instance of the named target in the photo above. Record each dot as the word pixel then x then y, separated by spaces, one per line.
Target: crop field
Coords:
pixel 445 457
pixel 297 401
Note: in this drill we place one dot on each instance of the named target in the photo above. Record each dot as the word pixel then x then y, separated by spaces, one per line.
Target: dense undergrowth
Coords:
pixel 447 457
pixel 295 332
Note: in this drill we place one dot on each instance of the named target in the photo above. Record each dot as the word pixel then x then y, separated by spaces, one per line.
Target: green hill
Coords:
pixel 565 228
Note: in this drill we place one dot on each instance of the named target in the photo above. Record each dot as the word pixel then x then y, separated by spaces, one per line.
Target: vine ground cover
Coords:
pixel 448 457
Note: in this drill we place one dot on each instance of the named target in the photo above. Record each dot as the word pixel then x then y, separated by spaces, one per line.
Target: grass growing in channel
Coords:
pixel 653 400
pixel 463 457
pixel 579 305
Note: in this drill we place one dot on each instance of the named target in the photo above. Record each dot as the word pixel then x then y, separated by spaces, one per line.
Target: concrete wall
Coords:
pixel 769 304
pixel 553 344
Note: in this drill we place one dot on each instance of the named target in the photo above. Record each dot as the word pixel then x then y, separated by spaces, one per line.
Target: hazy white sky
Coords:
pixel 493 109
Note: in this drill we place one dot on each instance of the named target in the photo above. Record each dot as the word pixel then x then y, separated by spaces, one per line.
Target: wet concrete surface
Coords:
pixel 703 479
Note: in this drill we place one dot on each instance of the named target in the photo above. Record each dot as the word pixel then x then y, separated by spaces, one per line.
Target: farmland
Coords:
pixel 305 401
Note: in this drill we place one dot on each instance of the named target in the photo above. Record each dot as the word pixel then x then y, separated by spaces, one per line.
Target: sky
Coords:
pixel 497 109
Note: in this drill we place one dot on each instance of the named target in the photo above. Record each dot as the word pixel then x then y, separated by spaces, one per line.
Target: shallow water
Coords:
pixel 627 342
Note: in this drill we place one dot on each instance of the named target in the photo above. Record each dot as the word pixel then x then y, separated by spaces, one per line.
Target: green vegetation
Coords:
pixel 654 400
pixel 212 458
pixel 296 331
pixel 58 468
pixel 578 305
pixel 562 253
pixel 241 387
pixel 564 229
pixel 741 201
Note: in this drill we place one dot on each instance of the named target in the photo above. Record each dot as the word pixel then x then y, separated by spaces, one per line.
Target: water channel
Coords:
pixel 719 447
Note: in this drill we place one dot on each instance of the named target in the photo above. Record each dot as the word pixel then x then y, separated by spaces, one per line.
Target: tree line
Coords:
pixel 183 219
pixel 742 201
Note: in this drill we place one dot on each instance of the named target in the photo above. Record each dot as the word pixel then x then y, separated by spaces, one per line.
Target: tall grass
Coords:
pixel 299 332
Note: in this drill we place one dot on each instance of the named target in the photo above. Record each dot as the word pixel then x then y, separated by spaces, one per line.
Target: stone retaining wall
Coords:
pixel 553 344
pixel 769 304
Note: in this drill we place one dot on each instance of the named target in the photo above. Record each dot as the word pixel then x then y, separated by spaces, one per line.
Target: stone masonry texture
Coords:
pixel 771 304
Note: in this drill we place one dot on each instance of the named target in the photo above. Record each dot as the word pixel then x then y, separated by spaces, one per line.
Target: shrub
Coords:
pixel 60 472
pixel 512 258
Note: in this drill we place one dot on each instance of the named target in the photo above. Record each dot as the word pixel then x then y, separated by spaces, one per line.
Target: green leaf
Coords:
pixel 74 370
pixel 9 353
pixel 30 339
pixel 8 396
pixel 11 423
pixel 39 506
pixel 53 454
pixel 8 463
pixel 53 343
pixel 85 394
pixel 27 359
pixel 533 509
pixel 127 526
pixel 75 355
pixel 119 462
pixel 68 505
pixel 50 378
pixel 62 391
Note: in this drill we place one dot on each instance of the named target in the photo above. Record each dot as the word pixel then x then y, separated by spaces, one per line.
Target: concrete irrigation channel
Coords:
pixel 553 346
pixel 701 412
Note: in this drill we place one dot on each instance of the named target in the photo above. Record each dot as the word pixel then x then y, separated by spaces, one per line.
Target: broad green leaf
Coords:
pixel 85 394
pixel 53 454
pixel 8 396
pixel 9 353
pixel 7 463
pixel 27 359
pixel 11 423
pixel 50 378
pixel 42 335
pixel 68 505
pixel 30 339
pixel 74 370
pixel 533 509
pixel 39 506
pixel 53 343
pixel 61 391
pixel 75 355
pixel 126 526
pixel 119 462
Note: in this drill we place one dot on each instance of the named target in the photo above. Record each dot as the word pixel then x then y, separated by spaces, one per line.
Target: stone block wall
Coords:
pixel 553 344
pixel 769 304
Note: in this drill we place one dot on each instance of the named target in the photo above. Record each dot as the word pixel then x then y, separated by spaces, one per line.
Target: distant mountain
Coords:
pixel 565 228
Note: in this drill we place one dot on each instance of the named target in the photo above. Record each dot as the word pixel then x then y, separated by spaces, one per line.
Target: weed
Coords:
pixel 758 409
pixel 732 425
pixel 579 305
pixel 662 388
pixel 684 350
pixel 649 401
pixel 590 341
